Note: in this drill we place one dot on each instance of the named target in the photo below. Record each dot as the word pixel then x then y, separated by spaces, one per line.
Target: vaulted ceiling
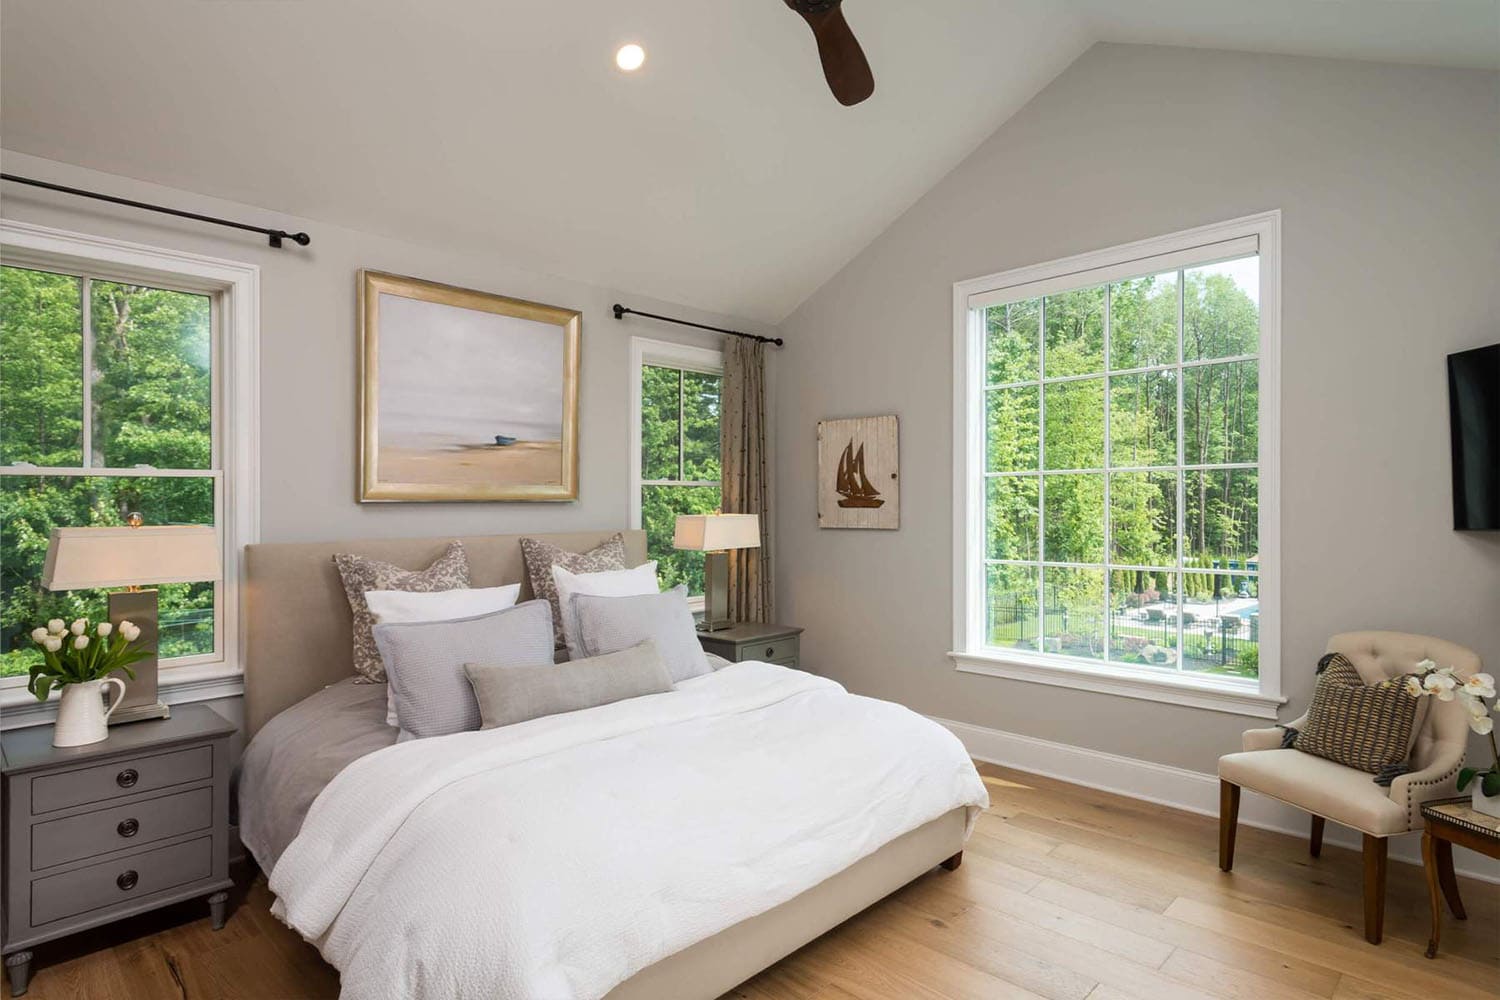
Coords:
pixel 721 175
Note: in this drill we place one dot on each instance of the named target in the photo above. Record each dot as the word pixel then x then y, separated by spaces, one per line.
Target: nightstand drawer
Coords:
pixel 772 650
pixel 62 840
pixel 120 881
pixel 126 776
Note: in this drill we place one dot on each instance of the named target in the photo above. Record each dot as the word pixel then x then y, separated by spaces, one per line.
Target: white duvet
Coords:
pixel 556 858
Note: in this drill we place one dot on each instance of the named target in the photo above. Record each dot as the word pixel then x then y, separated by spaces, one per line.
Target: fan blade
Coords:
pixel 844 64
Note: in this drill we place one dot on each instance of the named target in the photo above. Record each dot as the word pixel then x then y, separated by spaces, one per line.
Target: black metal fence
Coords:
pixel 1222 642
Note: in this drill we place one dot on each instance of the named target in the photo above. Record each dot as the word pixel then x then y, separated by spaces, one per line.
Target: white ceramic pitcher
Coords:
pixel 81 715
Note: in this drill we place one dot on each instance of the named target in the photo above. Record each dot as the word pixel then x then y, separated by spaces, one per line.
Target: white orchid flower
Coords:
pixel 130 630
pixel 1479 686
pixel 1483 726
pixel 56 626
pixel 105 628
pixel 53 644
pixel 79 626
pixel 1472 705
pixel 1440 684
pixel 1414 686
pixel 81 642
pixel 39 635
pixel 1424 665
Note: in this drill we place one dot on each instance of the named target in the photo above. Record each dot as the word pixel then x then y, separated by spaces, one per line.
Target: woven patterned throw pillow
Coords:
pixel 542 556
pixel 1365 726
pixel 450 571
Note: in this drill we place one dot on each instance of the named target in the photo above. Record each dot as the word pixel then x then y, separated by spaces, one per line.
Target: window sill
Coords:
pixel 1209 693
pixel 176 686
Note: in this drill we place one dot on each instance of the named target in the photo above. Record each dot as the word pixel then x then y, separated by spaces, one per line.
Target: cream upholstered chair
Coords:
pixel 1343 794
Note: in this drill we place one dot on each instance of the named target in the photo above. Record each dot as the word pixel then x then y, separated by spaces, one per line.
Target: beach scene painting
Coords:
pixel 467 395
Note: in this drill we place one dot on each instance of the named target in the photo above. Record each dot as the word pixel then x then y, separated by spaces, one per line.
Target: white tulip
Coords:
pixel 1440 684
pixel 53 644
pixel 105 628
pixel 81 642
pixel 56 626
pixel 79 626
pixel 38 635
pixel 1480 686
pixel 130 631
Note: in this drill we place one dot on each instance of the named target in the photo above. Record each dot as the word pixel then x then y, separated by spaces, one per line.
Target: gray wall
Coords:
pixel 308 435
pixel 1389 182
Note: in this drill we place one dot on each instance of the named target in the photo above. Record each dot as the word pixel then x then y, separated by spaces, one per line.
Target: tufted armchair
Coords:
pixel 1345 795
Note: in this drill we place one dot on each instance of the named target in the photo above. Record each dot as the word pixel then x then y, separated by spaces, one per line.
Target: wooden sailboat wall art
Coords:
pixel 859 473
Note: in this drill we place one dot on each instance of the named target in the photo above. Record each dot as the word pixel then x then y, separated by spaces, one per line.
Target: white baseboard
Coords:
pixel 1177 787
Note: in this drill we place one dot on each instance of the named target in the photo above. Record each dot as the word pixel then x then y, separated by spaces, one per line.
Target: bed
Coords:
pixel 373 847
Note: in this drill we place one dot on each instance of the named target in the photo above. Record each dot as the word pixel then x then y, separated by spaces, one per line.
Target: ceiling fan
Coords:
pixel 844 64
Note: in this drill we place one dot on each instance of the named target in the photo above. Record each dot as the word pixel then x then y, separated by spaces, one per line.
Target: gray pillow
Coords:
pixel 424 662
pixel 609 624
pixel 510 694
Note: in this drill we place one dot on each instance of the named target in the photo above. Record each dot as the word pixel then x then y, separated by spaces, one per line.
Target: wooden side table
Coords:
pixel 1448 822
pixel 755 641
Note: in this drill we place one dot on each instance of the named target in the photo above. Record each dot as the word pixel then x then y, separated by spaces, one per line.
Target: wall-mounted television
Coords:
pixel 1474 410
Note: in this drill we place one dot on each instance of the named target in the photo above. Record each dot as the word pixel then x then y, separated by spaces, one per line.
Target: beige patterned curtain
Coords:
pixel 746 479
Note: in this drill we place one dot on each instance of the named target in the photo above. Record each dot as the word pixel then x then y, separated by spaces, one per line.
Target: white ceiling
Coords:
pixel 722 175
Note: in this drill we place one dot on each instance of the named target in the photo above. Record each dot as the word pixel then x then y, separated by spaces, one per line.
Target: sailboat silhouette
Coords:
pixel 852 484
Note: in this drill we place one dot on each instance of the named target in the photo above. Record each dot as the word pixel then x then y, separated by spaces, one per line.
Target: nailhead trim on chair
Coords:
pixel 1414 809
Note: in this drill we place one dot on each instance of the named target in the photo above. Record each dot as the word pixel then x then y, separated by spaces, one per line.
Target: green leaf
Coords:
pixel 1465 776
pixel 1491 784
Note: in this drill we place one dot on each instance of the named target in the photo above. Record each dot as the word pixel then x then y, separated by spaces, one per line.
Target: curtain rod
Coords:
pixel 621 312
pixel 274 235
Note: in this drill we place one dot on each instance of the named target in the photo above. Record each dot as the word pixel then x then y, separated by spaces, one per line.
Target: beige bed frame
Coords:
pixel 297 642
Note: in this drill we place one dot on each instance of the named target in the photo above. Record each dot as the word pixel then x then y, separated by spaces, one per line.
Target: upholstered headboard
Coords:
pixel 297 620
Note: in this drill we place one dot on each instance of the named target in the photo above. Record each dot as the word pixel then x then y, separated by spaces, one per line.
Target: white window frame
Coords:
pixel 662 354
pixel 234 289
pixel 1261 233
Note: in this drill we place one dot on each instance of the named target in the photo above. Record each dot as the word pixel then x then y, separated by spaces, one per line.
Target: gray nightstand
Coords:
pixel 751 641
pixel 95 833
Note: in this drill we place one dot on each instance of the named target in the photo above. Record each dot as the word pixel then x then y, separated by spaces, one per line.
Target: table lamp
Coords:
pixel 130 557
pixel 715 534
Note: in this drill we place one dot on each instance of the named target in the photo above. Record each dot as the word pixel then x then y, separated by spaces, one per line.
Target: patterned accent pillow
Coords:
pixel 1370 727
pixel 450 571
pixel 542 556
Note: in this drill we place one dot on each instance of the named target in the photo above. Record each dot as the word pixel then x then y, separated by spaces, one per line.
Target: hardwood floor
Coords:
pixel 1064 893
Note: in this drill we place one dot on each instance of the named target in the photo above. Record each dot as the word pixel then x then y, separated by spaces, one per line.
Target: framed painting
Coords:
pixel 465 395
pixel 859 473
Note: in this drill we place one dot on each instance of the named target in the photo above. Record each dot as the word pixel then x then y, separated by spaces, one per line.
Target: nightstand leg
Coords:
pixel 218 909
pixel 19 967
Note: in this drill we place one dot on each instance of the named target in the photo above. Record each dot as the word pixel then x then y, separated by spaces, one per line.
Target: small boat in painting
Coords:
pixel 852 484
pixel 502 440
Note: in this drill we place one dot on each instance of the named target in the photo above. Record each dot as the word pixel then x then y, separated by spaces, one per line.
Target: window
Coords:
pixel 115 388
pixel 676 453
pixel 1116 498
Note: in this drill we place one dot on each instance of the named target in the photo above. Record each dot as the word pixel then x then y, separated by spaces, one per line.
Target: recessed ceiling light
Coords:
pixel 630 57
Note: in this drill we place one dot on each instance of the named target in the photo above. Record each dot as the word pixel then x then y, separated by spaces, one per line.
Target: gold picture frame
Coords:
pixel 478 397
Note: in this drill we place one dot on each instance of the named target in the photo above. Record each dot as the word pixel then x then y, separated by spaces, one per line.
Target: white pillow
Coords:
pixel 389 607
pixel 610 583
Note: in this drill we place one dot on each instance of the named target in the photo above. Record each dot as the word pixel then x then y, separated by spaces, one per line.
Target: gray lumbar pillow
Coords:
pixel 424 662
pixel 508 694
pixel 610 624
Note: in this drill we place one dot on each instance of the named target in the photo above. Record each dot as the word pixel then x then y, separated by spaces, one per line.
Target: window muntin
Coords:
pixel 679 461
pixel 1120 483
pixel 137 434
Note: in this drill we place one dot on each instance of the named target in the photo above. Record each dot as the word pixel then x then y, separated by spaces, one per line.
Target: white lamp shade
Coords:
pixel 81 558
pixel 716 532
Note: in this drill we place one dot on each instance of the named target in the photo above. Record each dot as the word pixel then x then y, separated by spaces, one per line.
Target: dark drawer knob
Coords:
pixel 127 880
pixel 127 778
pixel 770 650
pixel 128 827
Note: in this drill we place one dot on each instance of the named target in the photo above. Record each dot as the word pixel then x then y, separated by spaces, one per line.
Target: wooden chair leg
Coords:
pixel 1229 816
pixel 952 863
pixel 1375 858
pixel 1315 842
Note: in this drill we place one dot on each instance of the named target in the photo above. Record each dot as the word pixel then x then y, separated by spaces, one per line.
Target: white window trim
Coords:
pixel 236 288
pixel 666 354
pixel 1237 697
